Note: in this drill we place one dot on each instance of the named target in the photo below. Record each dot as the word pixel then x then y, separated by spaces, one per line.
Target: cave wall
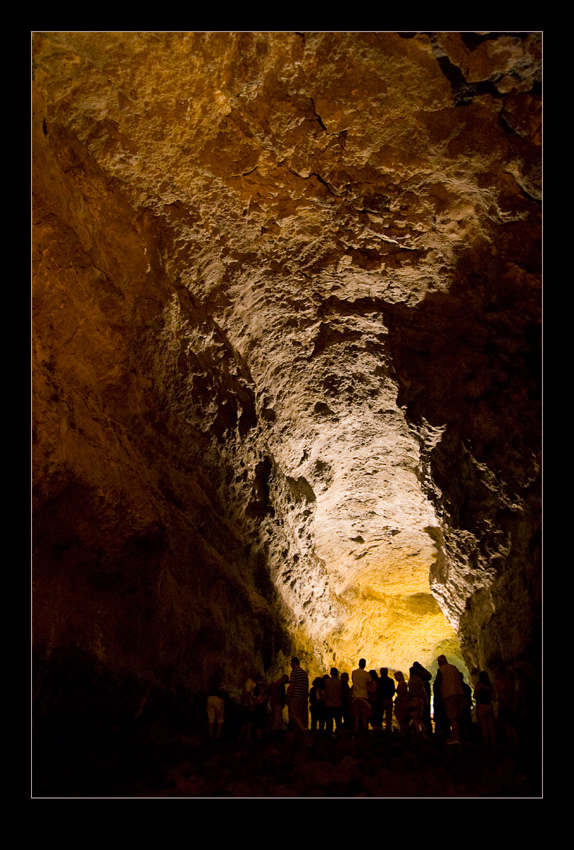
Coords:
pixel 485 473
pixel 247 247
pixel 135 561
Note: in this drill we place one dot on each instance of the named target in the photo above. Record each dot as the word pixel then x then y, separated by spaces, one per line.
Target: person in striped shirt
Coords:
pixel 298 697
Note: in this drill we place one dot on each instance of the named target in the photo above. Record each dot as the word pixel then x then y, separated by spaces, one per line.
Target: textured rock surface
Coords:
pixel 286 330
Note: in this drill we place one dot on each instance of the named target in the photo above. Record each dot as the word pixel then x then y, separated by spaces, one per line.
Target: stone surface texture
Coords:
pixel 286 350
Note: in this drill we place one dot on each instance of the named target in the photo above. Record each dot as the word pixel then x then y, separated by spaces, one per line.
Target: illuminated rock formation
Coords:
pixel 286 329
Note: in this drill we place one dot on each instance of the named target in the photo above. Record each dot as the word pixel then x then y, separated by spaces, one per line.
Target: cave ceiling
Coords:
pixel 289 279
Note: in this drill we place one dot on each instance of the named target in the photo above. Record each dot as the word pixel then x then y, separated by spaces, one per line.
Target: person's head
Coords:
pixel 442 660
pixel 284 679
pixel 384 671
pixel 362 663
pixel 399 676
pixel 294 662
pixel 373 674
pixel 318 682
pixel 344 677
pixel 334 672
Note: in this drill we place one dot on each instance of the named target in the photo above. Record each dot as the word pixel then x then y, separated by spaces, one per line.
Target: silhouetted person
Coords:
pixel 260 698
pixel 247 707
pixel 317 705
pixel 216 709
pixel 346 699
pixel 402 702
pixel 452 695
pixel 333 701
pixel 483 697
pixel 298 698
pixel 277 696
pixel 426 677
pixel 441 723
pixel 466 716
pixel 387 689
pixel 374 692
pixel 417 701
pixel 360 706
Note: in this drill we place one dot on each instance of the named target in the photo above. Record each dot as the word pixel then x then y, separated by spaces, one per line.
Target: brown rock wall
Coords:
pixel 286 325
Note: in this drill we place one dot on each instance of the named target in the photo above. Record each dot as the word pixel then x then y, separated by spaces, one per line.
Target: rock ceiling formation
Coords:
pixel 286 332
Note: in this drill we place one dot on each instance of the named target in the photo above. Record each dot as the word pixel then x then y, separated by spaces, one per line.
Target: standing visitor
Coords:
pixel 485 709
pixel 333 701
pixel 317 704
pixel 216 708
pixel 360 706
pixel 402 702
pixel 505 689
pixel 277 702
pixel 247 708
pixel 346 699
pixel 387 688
pixel 297 698
pixel 374 692
pixel 260 699
pixel 452 695
pixel 417 701
pixel 426 677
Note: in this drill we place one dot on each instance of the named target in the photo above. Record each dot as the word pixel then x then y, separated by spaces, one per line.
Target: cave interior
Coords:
pixel 286 324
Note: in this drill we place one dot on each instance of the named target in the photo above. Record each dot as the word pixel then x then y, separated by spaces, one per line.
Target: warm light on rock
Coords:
pixel 286 352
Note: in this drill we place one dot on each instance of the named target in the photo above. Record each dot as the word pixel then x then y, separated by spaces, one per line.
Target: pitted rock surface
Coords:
pixel 286 331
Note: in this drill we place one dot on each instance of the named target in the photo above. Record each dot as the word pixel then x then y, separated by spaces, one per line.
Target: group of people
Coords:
pixel 373 698
pixel 369 699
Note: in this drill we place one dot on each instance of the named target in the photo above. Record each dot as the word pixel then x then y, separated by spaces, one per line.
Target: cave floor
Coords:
pixel 277 766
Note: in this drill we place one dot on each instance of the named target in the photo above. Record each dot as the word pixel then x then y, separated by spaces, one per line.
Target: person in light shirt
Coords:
pixel 360 706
